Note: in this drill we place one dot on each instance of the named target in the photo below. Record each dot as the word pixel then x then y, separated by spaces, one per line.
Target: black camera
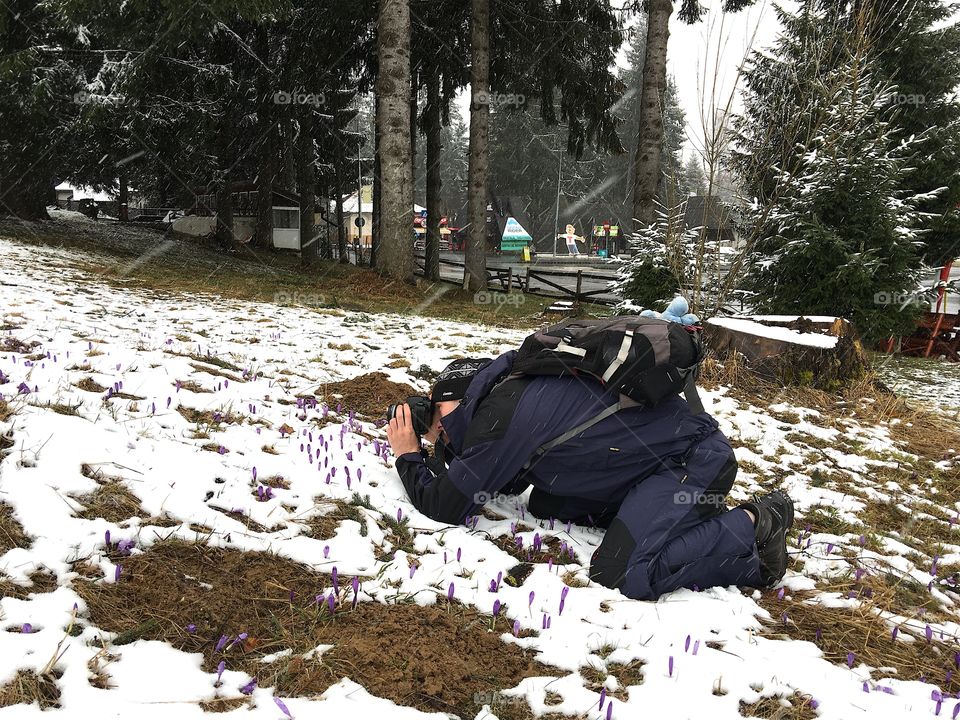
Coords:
pixel 421 413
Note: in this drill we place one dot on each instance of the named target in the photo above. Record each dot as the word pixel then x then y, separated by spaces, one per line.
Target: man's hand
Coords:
pixel 400 432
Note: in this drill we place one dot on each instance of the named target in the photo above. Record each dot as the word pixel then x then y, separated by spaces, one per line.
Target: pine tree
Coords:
pixel 837 233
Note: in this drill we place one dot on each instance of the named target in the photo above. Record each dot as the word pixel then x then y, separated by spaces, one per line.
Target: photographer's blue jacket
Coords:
pixel 653 475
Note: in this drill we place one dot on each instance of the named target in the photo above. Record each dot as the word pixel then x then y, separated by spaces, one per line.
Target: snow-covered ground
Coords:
pixel 136 342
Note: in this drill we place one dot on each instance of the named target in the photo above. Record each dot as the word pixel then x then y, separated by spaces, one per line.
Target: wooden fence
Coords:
pixel 509 279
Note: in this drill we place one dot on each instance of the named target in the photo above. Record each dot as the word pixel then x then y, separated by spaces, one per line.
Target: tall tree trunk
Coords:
pixel 341 227
pixel 375 215
pixel 123 197
pixel 307 186
pixel 267 150
pixel 646 161
pixel 224 232
pixel 289 169
pixel 431 126
pixel 25 196
pixel 393 129
pixel 475 262
pixel 414 101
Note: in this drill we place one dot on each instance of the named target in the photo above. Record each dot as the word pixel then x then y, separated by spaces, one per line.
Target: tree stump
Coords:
pixel 823 352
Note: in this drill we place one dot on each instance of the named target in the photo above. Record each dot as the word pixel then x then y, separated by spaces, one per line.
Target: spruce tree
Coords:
pixel 837 232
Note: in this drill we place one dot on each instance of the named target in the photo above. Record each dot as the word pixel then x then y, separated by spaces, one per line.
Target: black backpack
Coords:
pixel 645 359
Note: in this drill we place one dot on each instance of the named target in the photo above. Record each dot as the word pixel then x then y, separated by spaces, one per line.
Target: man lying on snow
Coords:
pixel 654 473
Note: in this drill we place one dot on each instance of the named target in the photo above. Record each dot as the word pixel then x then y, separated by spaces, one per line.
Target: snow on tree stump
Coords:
pixel 822 351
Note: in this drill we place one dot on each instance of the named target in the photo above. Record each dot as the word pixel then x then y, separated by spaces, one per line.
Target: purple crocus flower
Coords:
pixel 413 569
pixel 610 710
pixel 191 628
pixel 894 633
pixel 530 599
pixel 563 598
pixel 603 698
pixel 283 708
pixel 333 578
pixel 331 603
pixel 928 632
pixel 696 646
pixel 254 471
pixel 106 538
pixel 956 711
pixel 458 554
pixel 670 666
pixel 496 608
pixel 220 668
pixel 850 658
pixel 450 592
pixel 26 628
pixel 326 551
pixel 516 628
pixel 116 573
pixel 686 644
pixel 221 643
pixel 248 688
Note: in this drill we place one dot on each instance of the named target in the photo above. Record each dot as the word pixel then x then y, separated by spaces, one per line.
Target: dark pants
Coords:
pixel 673 530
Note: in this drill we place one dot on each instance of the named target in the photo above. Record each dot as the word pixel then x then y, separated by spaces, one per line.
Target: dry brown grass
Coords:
pixel 447 653
pixel 210 417
pixel 88 384
pixel 112 501
pixel 41 581
pixel 191 385
pixel 862 631
pixel 367 395
pixel 793 707
pixel 12 534
pixel 324 526
pixel 27 688
pixel 6 411
pixel 219 372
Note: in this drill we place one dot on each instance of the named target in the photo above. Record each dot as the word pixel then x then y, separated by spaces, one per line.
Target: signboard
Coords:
pixel 515 238
pixel 606 230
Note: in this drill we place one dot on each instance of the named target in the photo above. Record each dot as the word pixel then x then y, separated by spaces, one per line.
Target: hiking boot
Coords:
pixel 774 517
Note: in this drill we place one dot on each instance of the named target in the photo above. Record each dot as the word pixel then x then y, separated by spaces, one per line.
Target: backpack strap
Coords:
pixel 691 394
pixel 602 415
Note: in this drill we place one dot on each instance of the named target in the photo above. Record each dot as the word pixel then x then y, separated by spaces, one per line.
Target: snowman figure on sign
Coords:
pixel 570 237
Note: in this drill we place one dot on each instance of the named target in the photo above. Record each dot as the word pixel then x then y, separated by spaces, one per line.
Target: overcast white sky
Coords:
pixel 719 40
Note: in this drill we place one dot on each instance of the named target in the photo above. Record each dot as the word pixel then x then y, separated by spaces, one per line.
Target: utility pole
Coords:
pixel 556 218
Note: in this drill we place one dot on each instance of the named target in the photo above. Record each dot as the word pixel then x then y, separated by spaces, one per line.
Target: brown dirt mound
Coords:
pixel 447 653
pixel 367 395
